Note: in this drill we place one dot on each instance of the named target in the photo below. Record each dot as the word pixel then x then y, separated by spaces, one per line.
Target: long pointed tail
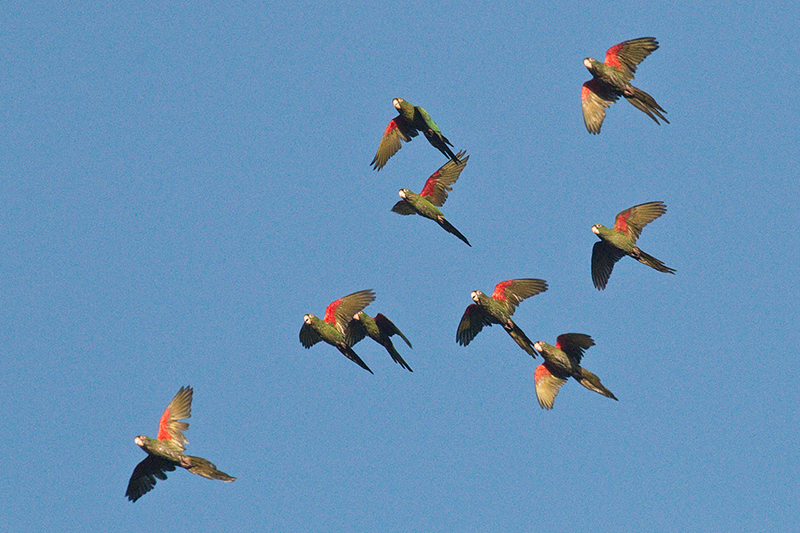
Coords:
pixel 652 262
pixel 207 469
pixel 646 104
pixel 451 229
pixel 520 338
pixel 592 382
pixel 353 356
pixel 396 355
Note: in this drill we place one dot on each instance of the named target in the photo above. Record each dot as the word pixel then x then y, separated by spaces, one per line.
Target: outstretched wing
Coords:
pixel 573 344
pixel 632 220
pixel 595 98
pixel 340 312
pixel 403 208
pixel 388 328
pixel 441 181
pixel 628 54
pixel 398 130
pixel 169 427
pixel 547 385
pixel 309 336
pixel 145 474
pixel 512 292
pixel 604 257
pixel 472 322
pixel 355 332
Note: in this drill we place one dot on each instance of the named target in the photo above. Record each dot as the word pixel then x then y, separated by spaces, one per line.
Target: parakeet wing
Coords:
pixel 309 336
pixel 595 98
pixel 403 208
pixel 169 427
pixel 397 131
pixel 573 344
pixel 355 332
pixel 632 220
pixel 627 55
pixel 340 312
pixel 604 257
pixel 441 181
pixel 388 328
pixel 513 291
pixel 547 386
pixel 472 322
pixel 144 476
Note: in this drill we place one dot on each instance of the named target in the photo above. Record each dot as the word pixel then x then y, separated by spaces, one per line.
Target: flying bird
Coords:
pixel 405 126
pixel 434 195
pixel 380 329
pixel 165 452
pixel 612 79
pixel 561 362
pixel 620 241
pixel 333 327
pixel 497 309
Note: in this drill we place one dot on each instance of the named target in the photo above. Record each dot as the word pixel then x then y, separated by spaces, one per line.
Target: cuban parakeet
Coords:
pixel 405 126
pixel 165 452
pixel 333 327
pixel 497 309
pixel 612 79
pixel 561 362
pixel 620 241
pixel 434 195
pixel 380 329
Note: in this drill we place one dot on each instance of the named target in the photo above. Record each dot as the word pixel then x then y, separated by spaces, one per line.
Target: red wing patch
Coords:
pixel 392 126
pixel 430 185
pixel 500 290
pixel 585 91
pixel 540 372
pixel 330 312
pixel 621 224
pixel 612 59
pixel 163 426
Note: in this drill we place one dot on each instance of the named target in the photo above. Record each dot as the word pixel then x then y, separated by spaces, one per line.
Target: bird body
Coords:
pixel 434 195
pixel 612 79
pixel 165 452
pixel 405 126
pixel 619 241
pixel 561 362
pixel 380 329
pixel 333 327
pixel 497 309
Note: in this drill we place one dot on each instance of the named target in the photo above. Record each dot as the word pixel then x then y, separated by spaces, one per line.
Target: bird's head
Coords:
pixel 403 193
pixel 397 103
pixel 476 296
pixel 308 319
pixel 589 63
pixel 596 229
pixel 538 346
pixel 140 440
pixel 357 316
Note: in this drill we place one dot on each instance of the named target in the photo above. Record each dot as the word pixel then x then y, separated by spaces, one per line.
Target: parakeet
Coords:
pixel 379 329
pixel 612 79
pixel 434 195
pixel 411 120
pixel 620 241
pixel 165 452
pixel 498 309
pixel 333 327
pixel 562 361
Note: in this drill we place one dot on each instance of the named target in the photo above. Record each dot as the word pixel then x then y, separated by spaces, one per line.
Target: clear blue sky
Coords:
pixel 180 185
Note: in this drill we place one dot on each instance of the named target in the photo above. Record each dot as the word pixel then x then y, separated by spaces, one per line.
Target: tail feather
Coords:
pixel 353 356
pixel 396 356
pixel 207 469
pixel 646 104
pixel 520 338
pixel 652 262
pixel 592 382
pixel 451 229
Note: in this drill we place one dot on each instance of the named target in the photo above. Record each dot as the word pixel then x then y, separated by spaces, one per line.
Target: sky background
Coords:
pixel 179 185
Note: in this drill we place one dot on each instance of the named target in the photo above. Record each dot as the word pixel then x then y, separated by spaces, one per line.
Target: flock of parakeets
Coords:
pixel 345 322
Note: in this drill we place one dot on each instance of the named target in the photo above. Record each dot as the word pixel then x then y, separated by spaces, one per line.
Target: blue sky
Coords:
pixel 180 185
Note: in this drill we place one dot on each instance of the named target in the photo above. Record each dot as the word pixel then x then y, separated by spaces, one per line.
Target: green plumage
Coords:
pixel 380 329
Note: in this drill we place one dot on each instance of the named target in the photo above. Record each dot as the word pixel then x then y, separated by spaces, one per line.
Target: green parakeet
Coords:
pixel 165 452
pixel 619 241
pixel 498 309
pixel 411 120
pixel 434 195
pixel 561 362
pixel 380 329
pixel 612 79
pixel 333 327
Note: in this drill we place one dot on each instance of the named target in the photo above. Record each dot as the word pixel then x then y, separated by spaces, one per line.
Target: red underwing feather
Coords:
pixel 330 311
pixel 430 185
pixel 392 126
pixel 540 372
pixel 612 59
pixel 621 224
pixel 163 426
pixel 585 90
pixel 500 290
